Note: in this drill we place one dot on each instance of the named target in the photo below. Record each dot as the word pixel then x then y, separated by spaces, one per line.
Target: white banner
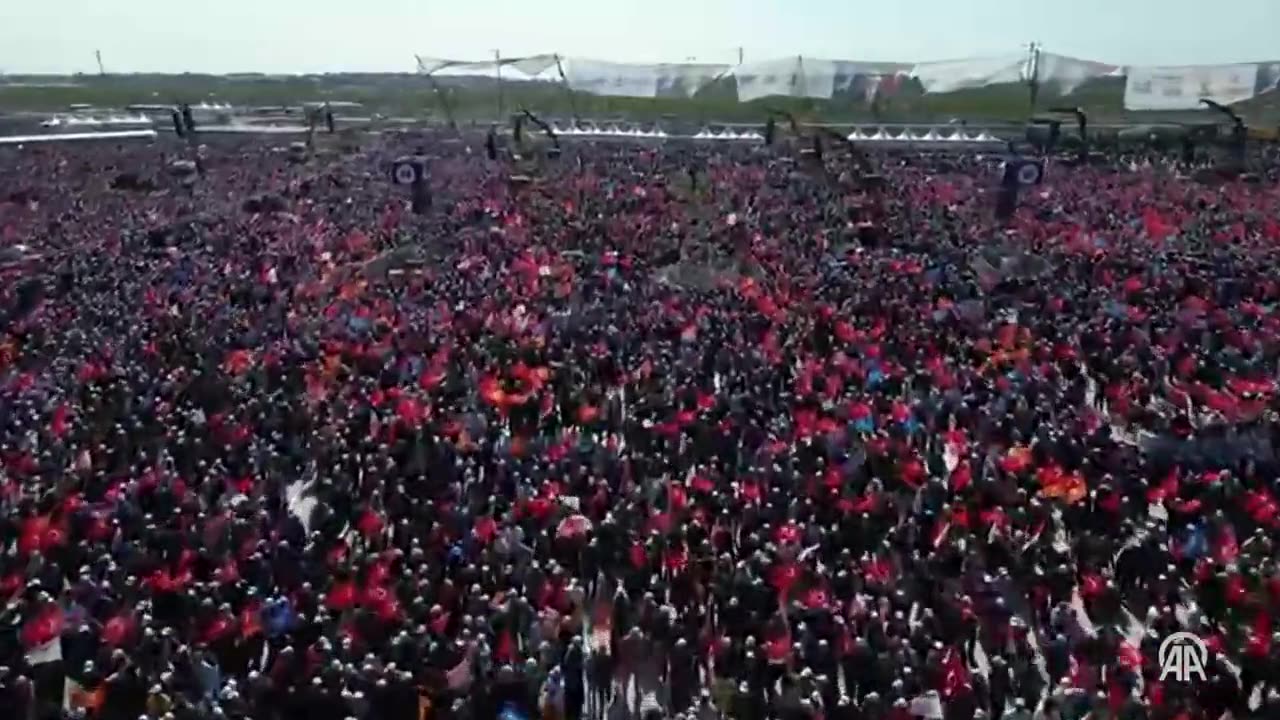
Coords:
pixel 428 65
pixel 817 78
pixel 532 66
pixel 686 79
pixel 952 75
pixel 527 67
pixel 1147 88
pixel 1268 77
pixel 862 78
pixel 822 79
pixel 769 78
pixel 616 79
pixel 808 77
pixel 1065 74
pixel 1181 88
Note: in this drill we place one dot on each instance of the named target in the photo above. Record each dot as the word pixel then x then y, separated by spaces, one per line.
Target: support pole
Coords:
pixel 1082 128
pixel 444 102
pixel 568 91
pixel 497 60
pixel 1033 77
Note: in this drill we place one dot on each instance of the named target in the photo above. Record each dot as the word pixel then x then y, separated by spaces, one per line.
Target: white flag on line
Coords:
pixel 76 697
pixel 46 653
pixel 928 706
pixel 72 692
pixel 301 501
pixel 459 677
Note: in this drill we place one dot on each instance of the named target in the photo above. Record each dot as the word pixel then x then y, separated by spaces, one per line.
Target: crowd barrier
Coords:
pixel 78 137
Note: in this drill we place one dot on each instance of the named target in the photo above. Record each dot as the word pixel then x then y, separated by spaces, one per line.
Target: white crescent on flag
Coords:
pixel 405 174
pixel 1029 174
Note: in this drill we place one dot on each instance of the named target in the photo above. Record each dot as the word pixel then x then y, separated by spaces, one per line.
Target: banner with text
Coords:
pixel 953 75
pixel 1064 74
pixel 797 76
pixel 769 78
pixel 639 80
pixel 686 79
pixel 1182 88
pixel 607 78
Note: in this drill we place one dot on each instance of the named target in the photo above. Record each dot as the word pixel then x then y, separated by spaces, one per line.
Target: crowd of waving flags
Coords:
pixel 1176 87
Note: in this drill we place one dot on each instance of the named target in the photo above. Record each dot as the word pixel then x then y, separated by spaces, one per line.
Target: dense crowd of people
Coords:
pixel 686 431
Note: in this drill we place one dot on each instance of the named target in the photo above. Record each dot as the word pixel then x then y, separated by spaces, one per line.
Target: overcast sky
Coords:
pixel 285 36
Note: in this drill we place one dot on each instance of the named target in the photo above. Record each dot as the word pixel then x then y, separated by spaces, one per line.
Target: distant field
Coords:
pixel 477 99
